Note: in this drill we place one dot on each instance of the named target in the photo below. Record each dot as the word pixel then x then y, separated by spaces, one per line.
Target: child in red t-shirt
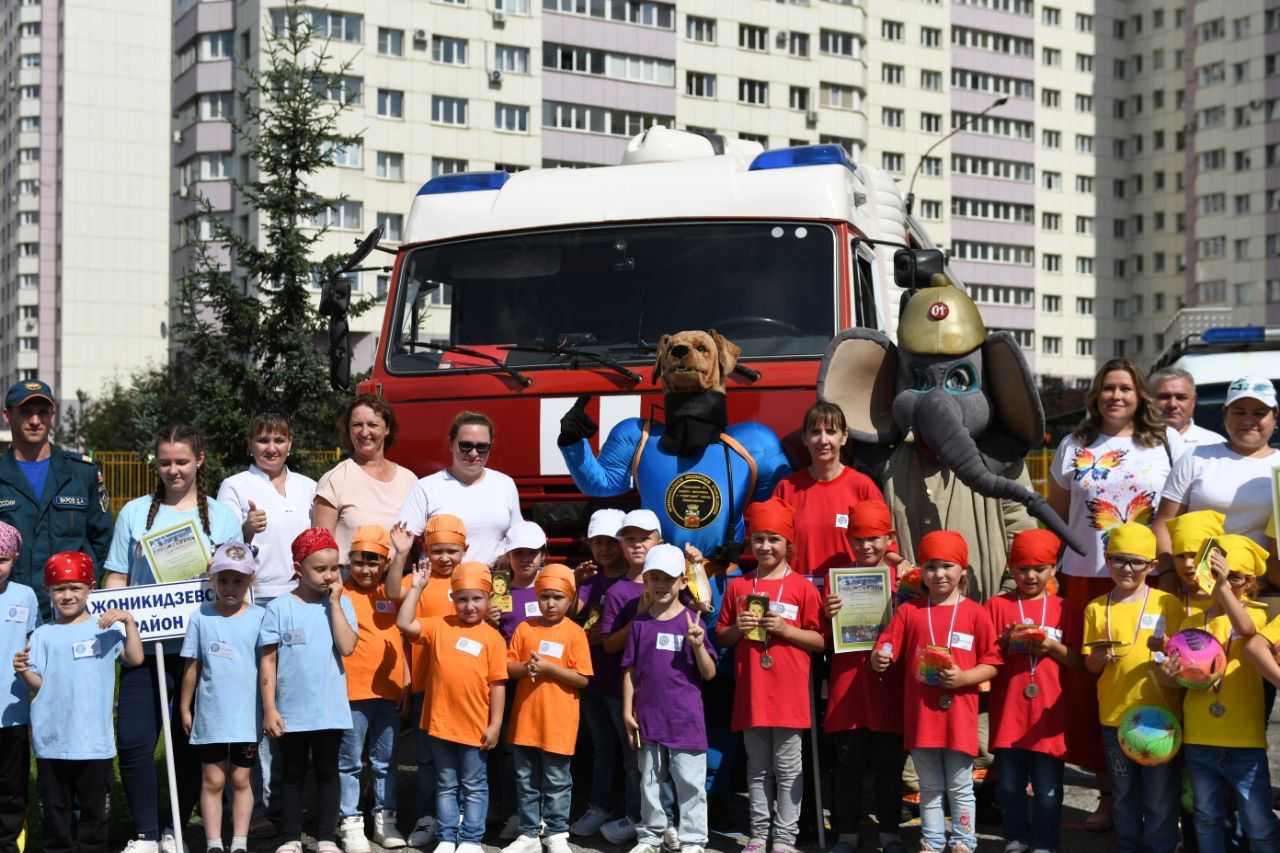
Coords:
pixel 770 674
pixel 1038 634
pixel 864 708
pixel 948 643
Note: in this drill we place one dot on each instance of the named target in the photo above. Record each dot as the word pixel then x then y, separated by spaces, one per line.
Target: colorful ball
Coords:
pixel 1202 659
pixel 909 585
pixel 1024 638
pixel 1150 735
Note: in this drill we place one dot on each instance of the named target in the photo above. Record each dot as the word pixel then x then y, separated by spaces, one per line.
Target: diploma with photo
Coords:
pixel 866 603
pixel 176 553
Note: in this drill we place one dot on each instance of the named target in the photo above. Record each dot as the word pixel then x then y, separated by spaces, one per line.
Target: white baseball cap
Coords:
pixel 605 522
pixel 664 558
pixel 643 519
pixel 1252 388
pixel 524 534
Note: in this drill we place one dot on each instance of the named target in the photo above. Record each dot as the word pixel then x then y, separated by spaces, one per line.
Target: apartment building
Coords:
pixel 84 204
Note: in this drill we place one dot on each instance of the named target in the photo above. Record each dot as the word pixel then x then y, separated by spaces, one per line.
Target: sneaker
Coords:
pixel 1016 847
pixel 327 847
pixel 926 847
pixel 671 840
pixel 693 848
pixel 590 823
pixel 619 831
pixel 957 847
pixel 351 832
pixel 385 833
pixel 446 847
pixel 755 845
pixel 510 829
pixel 424 832
pixel 644 848
pixel 290 847
pixel 141 845
pixel 783 847
pixel 468 847
pixel 558 843
pixel 523 844
pixel 167 842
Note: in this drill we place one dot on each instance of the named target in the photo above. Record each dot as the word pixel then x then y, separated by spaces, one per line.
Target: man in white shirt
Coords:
pixel 1175 392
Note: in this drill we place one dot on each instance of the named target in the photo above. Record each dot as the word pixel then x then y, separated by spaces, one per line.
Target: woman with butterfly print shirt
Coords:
pixel 1108 472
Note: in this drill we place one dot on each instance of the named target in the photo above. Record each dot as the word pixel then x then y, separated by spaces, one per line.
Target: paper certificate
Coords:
pixel 866 598
pixel 176 553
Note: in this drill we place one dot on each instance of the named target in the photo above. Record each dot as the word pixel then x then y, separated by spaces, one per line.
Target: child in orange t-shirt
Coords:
pixel 466 673
pixel 444 543
pixel 377 688
pixel 549 661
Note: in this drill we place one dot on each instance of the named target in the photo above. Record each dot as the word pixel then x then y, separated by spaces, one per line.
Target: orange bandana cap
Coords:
pixel 556 576
pixel 869 519
pixel 445 528
pixel 1034 548
pixel 371 538
pixel 946 545
pixel 774 516
pixel 471 575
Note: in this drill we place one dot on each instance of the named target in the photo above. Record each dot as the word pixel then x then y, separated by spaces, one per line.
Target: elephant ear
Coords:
pixel 859 373
pixel 1015 400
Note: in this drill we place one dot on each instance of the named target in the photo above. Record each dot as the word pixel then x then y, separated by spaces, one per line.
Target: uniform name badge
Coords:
pixel 670 642
pixel 384 606
pixel 787 611
pixel 531 609
pixel 550 649
pixel 466 645
pixel 17 614
pixel 295 637
pixel 962 641
pixel 1151 622
pixel 842 520
pixel 219 649
pixel 84 649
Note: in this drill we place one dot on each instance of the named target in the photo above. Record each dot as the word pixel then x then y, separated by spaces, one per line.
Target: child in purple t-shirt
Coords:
pixel 667 657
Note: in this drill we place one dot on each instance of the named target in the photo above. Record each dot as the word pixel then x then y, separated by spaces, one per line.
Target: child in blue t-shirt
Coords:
pixel 221 648
pixel 71 667
pixel 304 637
pixel 19 616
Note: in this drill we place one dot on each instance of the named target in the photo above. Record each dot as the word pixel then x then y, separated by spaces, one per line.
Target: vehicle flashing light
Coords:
pixel 802 155
pixel 464 182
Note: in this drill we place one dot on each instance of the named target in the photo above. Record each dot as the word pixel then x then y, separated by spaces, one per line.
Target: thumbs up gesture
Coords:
pixel 257 518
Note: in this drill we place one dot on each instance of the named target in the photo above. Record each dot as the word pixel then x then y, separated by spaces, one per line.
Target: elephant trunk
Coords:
pixel 939 424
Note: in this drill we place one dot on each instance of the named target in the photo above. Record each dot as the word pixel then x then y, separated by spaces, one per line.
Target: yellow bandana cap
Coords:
pixel 1132 538
pixel 1244 556
pixel 1189 530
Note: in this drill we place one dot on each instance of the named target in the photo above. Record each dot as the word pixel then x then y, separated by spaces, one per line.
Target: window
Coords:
pixel 29 155
pixel 1241 204
pixel 1051 263
pixel 1050 16
pixel 1050 57
pixel 1084 144
pixel 338 26
pixel 1051 304
pixel 390 103
pixel 29 29
pixel 1084 62
pixel 1084 266
pixel 511 118
pixel 1051 180
pixel 390 166
pixel 599 119
pixel 973 208
pixel 992 42
pixel 1084 306
pixel 981 81
pixel 752 37
pixel 448 51
pixel 1084 347
pixel 798 44
pixel 1212 291
pixel 341 153
pixel 392 226
pixel 931 81
pixel 27 124
pixel 344 215
pixel 1050 98
pixel 930 209
pixel 446 166
pixel 798 98
pixel 511 59
pixel 837 96
pixel 931 122
pixel 1011 170
pixel 512 7
pixel 891 117
pixel 891 30
pixel 997 253
pixel 1051 221
pixel 344 89
pixel 891 161
pixel 1051 345
pixel 892 74
pixel 931 167
pixel 1085 225
pixel 700 29
pixel 28 93
pixel 643 12
pixel 1051 138
pixel 993 294
pixel 838 43
pixel 390 42
pixel 930 37
pixel 448 110
pixel 1084 23
pixel 753 92
pixel 699 85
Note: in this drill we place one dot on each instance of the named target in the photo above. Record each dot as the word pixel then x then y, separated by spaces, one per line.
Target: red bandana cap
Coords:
pixel 471 575
pixel 68 567
pixel 311 540
pixel 1034 548
pixel 555 576
pixel 869 519
pixel 946 545
pixel 774 516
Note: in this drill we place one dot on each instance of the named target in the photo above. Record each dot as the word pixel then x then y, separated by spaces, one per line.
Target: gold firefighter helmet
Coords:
pixel 940 320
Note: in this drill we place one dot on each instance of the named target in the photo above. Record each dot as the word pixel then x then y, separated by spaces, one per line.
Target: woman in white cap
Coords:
pixel 1233 478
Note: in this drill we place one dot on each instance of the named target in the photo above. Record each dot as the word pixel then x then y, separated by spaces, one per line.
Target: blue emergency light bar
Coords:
pixel 1235 335
pixel 802 155
pixel 464 182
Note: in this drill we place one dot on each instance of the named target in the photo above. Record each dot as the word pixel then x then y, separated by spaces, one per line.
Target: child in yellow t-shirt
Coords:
pixel 1124 630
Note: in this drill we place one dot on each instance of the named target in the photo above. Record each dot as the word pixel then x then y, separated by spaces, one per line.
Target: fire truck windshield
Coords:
pixel 527 298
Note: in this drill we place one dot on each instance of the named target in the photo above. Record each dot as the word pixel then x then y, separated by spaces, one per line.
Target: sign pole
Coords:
pixel 168 747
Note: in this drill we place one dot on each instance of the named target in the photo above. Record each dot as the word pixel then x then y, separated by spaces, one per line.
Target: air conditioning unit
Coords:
pixel 782 37
pixel 29 325
pixel 1255 104
pixel 419 35
pixel 177 137
pixel 183 191
pixel 811 117
pixel 495 76
pixel 499 17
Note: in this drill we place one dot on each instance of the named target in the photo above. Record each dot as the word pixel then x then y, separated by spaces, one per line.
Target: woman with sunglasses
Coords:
pixel 367 488
pixel 485 500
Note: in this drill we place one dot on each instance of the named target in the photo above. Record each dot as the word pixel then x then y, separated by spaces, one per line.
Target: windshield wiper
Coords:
pixel 646 348
pixel 574 352
pixel 524 381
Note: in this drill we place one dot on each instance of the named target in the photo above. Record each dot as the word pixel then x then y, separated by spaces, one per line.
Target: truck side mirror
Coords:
pixel 915 268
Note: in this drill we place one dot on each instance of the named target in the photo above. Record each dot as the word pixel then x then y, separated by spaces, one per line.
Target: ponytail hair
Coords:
pixel 190 436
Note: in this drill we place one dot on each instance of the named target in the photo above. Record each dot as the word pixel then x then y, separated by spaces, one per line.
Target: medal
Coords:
pixel 944 701
pixel 766 660
pixel 1217 709
pixel 1031 691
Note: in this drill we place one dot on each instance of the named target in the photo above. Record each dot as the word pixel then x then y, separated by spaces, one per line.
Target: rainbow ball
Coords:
pixel 1150 735
pixel 1202 658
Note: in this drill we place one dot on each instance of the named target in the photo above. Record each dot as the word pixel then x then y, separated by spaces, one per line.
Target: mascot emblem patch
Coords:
pixel 692 501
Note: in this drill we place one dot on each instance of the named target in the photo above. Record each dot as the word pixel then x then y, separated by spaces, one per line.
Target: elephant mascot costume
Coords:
pixel 958 410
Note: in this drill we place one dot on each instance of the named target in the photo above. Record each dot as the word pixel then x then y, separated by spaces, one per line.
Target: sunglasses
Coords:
pixel 480 447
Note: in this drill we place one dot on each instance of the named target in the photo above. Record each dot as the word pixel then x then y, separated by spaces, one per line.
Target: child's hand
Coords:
pixel 633 728
pixel 113 616
pixel 834 604
pixel 257 518
pixel 272 723
pixel 186 721
pixel 1003 640
pixel 1156 642
pixel 22 661
pixel 493 615
pixel 402 538
pixel 421 574
pixel 585 571
pixel 747 621
pixel 692 554
pixel 1171 665
pixel 490 738
pixel 334 591
pixel 775 624
pixel 533 665
pixel 893 558
pixel 880 659
pixel 695 634
pixel 1218 566
pixel 405 702
pixel 1098 655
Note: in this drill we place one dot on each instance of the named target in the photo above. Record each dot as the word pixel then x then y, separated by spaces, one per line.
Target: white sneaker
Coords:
pixel 141 845
pixel 469 847
pixel 446 847
pixel 385 833
pixel 510 829
pixel 693 848
pixel 619 831
pixel 671 840
pixel 558 843
pixel 590 823
pixel 523 844
pixel 644 848
pixel 167 842
pixel 1016 847
pixel 424 832
pixel 351 834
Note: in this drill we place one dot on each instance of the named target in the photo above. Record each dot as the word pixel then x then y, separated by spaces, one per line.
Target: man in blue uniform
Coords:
pixel 55 497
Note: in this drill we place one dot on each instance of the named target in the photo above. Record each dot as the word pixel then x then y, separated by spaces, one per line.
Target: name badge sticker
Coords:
pixel 550 649
pixel 295 637
pixel 531 609
pixel 670 642
pixel 219 649
pixel 384 606
pixel 1053 633
pixel 17 614
pixel 1151 622
pixel 84 649
pixel 842 520
pixel 787 611
pixel 962 641
pixel 466 645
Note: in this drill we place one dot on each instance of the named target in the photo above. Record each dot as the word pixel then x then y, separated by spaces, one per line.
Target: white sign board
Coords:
pixel 161 610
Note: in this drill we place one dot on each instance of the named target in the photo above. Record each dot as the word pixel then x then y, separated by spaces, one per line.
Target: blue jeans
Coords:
pixel 606 751
pixel 1144 809
pixel 687 772
pixel 462 791
pixel 544 786
pixel 376 722
pixel 1213 770
pixel 1013 768
pixel 950 771
pixel 425 790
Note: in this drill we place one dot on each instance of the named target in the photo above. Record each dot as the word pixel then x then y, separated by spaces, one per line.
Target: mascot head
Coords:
pixel 689 362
